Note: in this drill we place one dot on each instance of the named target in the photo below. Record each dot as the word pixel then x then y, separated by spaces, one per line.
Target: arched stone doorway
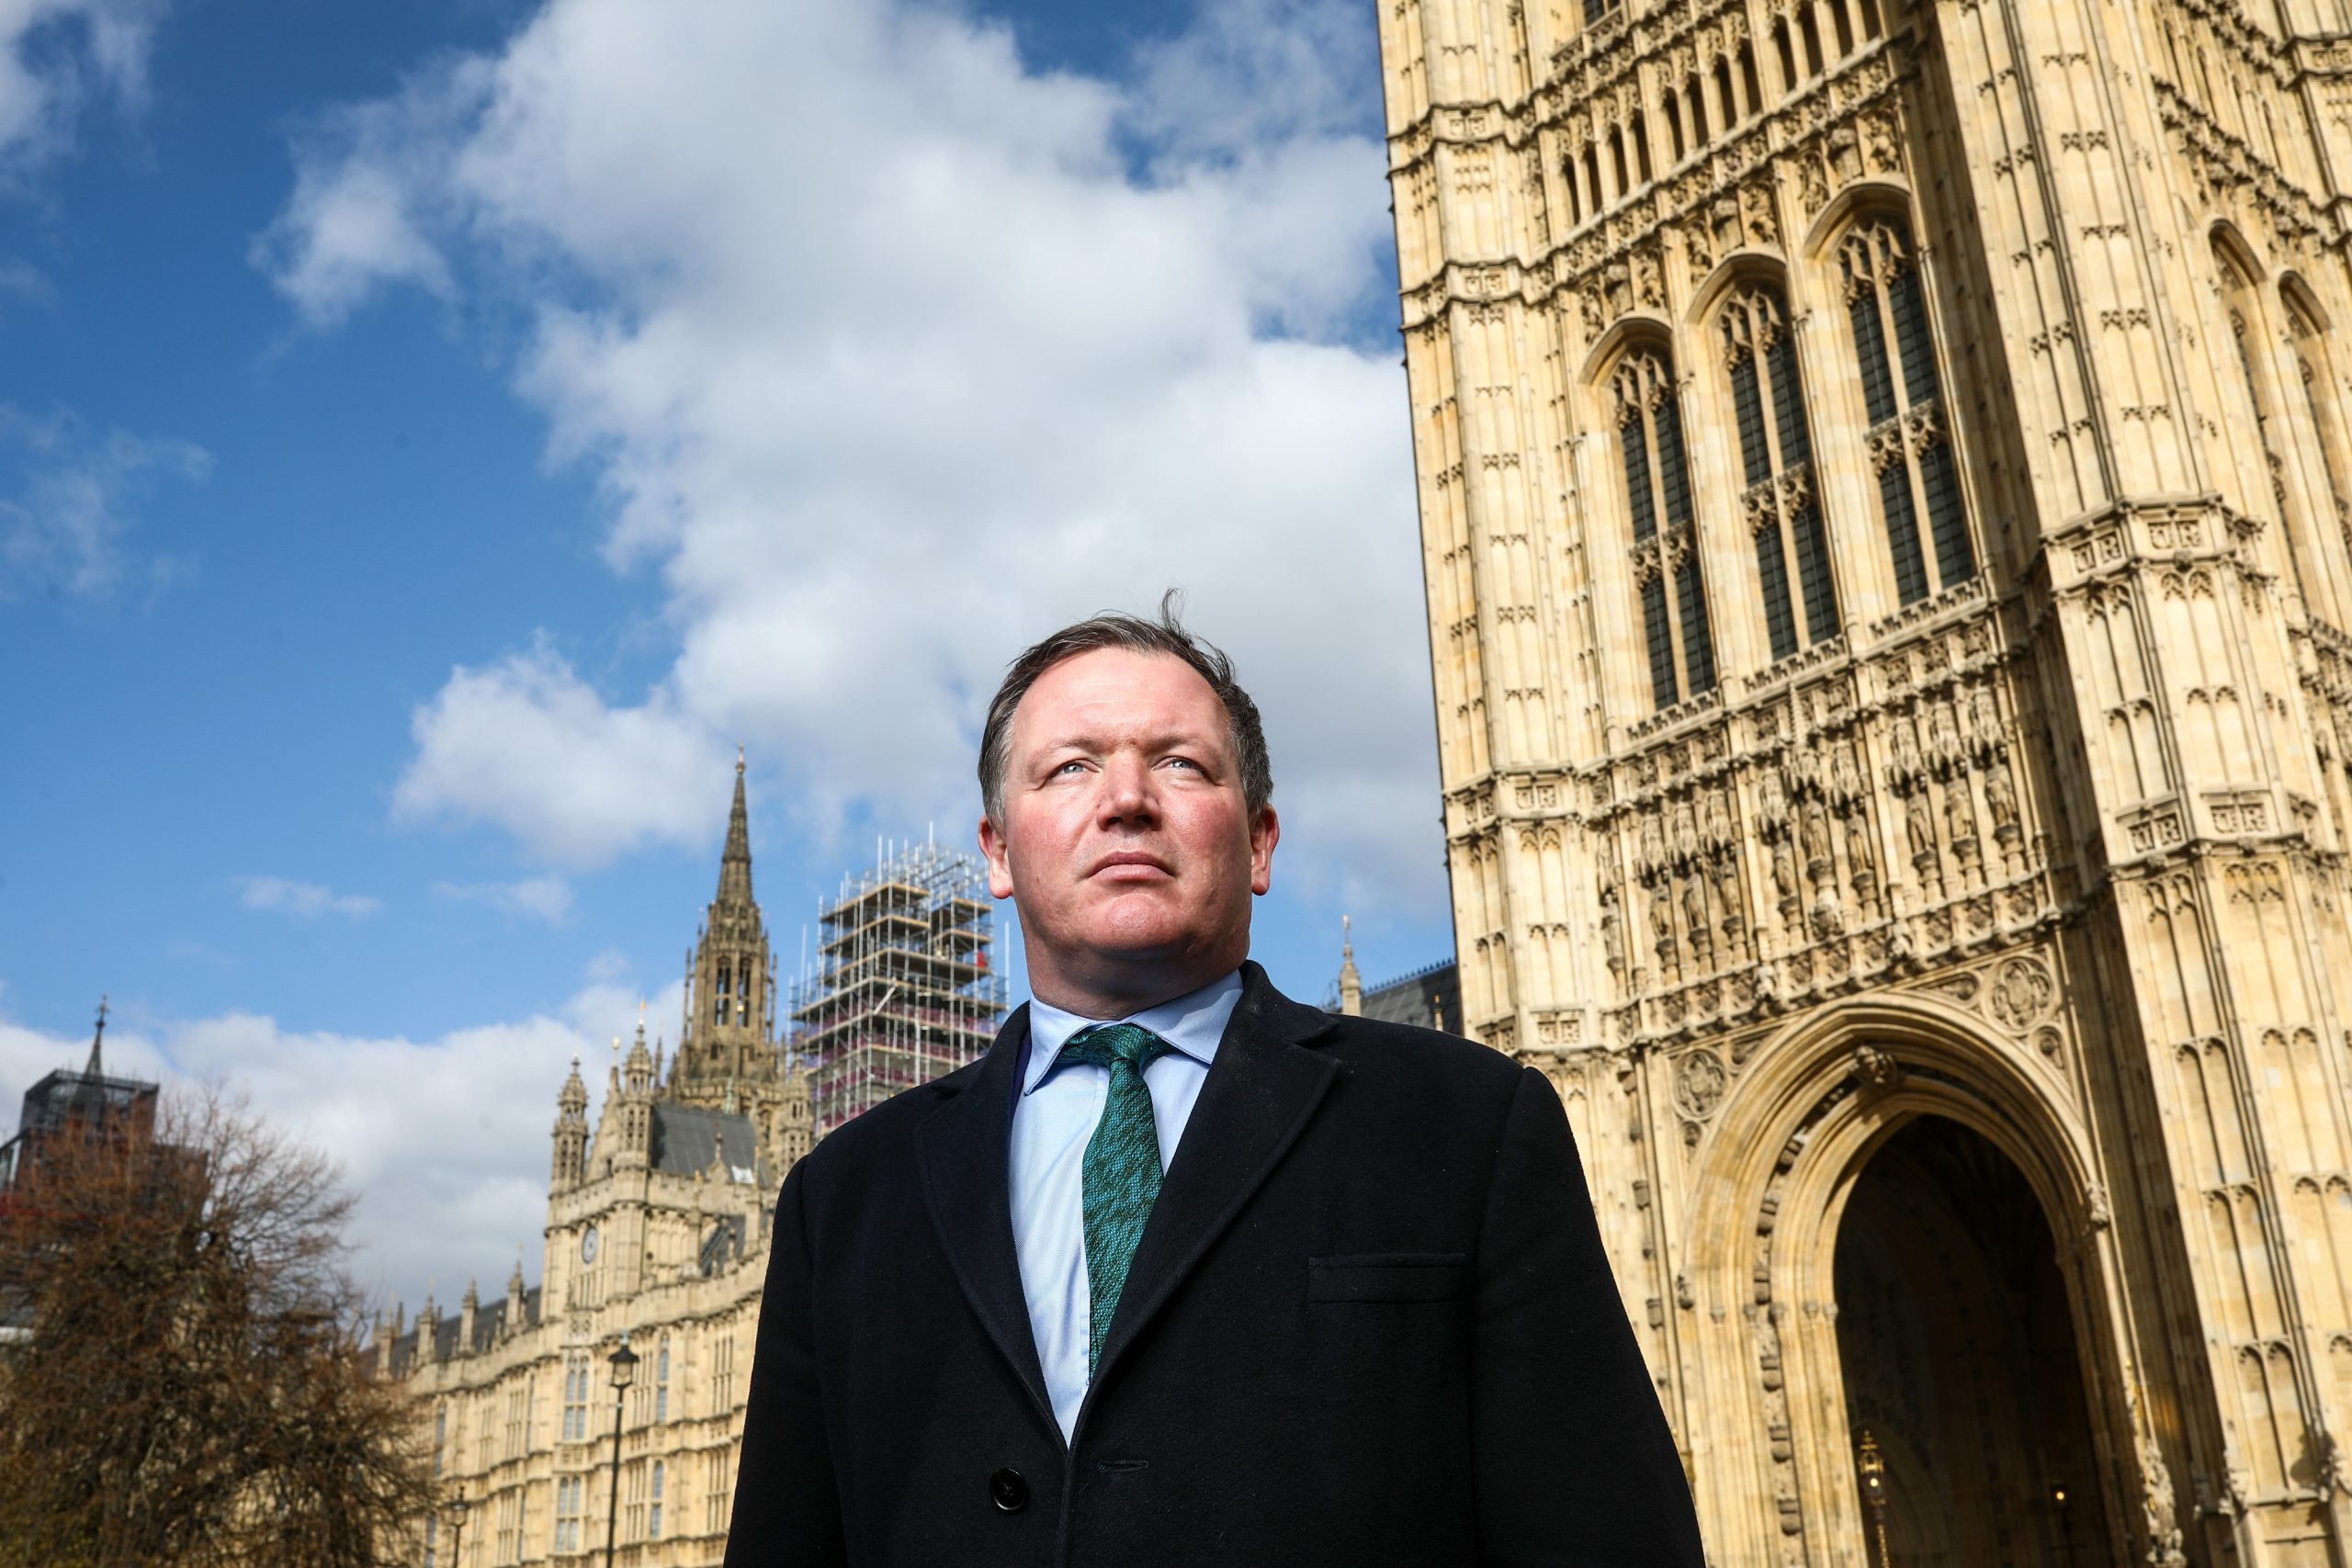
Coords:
pixel 1957 1349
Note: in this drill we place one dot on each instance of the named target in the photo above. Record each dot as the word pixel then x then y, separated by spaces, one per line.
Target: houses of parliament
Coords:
pixel 1885 484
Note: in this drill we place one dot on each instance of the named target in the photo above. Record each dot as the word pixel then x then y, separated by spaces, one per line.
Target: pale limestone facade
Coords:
pixel 657 1229
pixel 1884 471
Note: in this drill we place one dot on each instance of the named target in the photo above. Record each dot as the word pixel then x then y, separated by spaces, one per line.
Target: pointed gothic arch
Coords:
pixel 2239 277
pixel 1807 1112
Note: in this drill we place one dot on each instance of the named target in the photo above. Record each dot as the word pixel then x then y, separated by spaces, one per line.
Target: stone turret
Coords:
pixel 571 1162
pixel 468 1314
pixel 1350 983
pixel 514 1324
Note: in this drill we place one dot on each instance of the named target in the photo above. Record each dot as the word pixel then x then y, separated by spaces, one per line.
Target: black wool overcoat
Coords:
pixel 1370 1322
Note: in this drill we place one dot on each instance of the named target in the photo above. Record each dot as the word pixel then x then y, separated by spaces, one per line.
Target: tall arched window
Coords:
pixel 2244 317
pixel 2318 378
pixel 1666 557
pixel 1783 508
pixel 1672 105
pixel 1909 443
pixel 1725 96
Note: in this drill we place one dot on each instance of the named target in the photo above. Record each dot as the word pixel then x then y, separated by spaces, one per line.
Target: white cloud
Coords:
pixel 546 898
pixel 890 354
pixel 444 1141
pixel 68 499
pixel 307 900
pixel 55 55
pixel 526 745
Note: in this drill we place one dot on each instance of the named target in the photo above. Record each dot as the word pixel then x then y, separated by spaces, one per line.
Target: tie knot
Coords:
pixel 1109 1044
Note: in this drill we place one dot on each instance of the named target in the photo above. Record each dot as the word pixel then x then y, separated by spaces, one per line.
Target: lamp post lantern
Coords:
pixel 624 1364
pixel 454 1510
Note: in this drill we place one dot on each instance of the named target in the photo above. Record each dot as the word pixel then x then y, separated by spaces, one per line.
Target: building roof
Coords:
pixel 686 1137
pixel 490 1323
pixel 1430 997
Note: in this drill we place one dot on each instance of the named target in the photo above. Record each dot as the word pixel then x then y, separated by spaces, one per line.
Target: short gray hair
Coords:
pixel 1115 628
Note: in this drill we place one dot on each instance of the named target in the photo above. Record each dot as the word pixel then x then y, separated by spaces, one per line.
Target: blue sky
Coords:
pixel 434 436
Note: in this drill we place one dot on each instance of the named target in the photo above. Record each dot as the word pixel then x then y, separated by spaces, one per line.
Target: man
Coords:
pixel 1183 1272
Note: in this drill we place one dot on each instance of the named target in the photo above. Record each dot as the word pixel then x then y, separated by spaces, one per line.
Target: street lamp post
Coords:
pixel 623 1363
pixel 455 1511
pixel 1873 1465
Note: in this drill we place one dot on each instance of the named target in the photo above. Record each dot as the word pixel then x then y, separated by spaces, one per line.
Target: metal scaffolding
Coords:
pixel 903 989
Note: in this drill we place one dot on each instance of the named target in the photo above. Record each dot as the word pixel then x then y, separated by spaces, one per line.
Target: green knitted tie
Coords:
pixel 1122 1169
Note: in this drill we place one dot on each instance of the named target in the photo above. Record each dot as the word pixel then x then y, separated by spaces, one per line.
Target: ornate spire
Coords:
pixel 735 864
pixel 97 1067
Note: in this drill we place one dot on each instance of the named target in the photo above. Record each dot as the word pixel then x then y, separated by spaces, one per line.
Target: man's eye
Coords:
pixel 1068 766
pixel 1183 762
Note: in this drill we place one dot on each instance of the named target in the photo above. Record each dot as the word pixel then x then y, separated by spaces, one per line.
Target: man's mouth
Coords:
pixel 1131 865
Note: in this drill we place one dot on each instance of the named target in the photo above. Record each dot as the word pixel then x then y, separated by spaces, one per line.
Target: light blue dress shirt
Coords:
pixel 1052 1123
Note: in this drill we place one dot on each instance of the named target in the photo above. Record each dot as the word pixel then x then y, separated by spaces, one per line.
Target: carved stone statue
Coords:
pixel 1984 718
pixel 1905 740
pixel 1773 798
pixel 1816 836
pixel 1959 821
pixel 1859 854
pixel 1919 825
pixel 2000 796
pixel 1718 821
pixel 1845 773
pixel 1694 904
pixel 1943 734
pixel 1784 871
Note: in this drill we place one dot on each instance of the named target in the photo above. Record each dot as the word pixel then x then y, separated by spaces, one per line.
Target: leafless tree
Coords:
pixel 181 1377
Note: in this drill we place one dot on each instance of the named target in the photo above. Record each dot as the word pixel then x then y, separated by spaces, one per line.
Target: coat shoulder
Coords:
pixel 885 1134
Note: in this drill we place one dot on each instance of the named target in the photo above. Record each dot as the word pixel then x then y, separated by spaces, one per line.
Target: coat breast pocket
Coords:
pixel 1388 1277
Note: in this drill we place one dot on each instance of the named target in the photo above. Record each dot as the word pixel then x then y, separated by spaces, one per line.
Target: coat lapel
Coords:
pixel 964 1152
pixel 1260 1093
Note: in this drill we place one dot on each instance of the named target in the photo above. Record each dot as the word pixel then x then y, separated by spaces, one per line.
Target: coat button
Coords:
pixel 1007 1491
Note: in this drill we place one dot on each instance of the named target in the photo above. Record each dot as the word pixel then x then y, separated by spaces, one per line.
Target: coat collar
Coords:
pixel 1261 1090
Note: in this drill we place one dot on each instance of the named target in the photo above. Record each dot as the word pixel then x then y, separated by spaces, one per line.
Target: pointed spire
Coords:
pixel 735 864
pixel 97 1067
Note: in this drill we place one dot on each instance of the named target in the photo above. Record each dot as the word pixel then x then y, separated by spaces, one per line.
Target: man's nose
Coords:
pixel 1127 792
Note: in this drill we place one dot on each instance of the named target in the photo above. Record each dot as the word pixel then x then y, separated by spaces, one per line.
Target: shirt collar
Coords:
pixel 1193 1023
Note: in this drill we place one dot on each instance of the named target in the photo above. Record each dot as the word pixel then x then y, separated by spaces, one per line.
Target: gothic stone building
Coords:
pixel 657 1229
pixel 1884 469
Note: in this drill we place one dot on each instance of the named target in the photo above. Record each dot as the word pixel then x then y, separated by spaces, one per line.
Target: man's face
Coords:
pixel 1126 842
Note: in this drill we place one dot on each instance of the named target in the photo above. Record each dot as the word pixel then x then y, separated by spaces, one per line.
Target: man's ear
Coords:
pixel 999 855
pixel 1264 834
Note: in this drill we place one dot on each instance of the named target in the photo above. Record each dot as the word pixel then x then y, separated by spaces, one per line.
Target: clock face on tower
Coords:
pixel 588 1245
